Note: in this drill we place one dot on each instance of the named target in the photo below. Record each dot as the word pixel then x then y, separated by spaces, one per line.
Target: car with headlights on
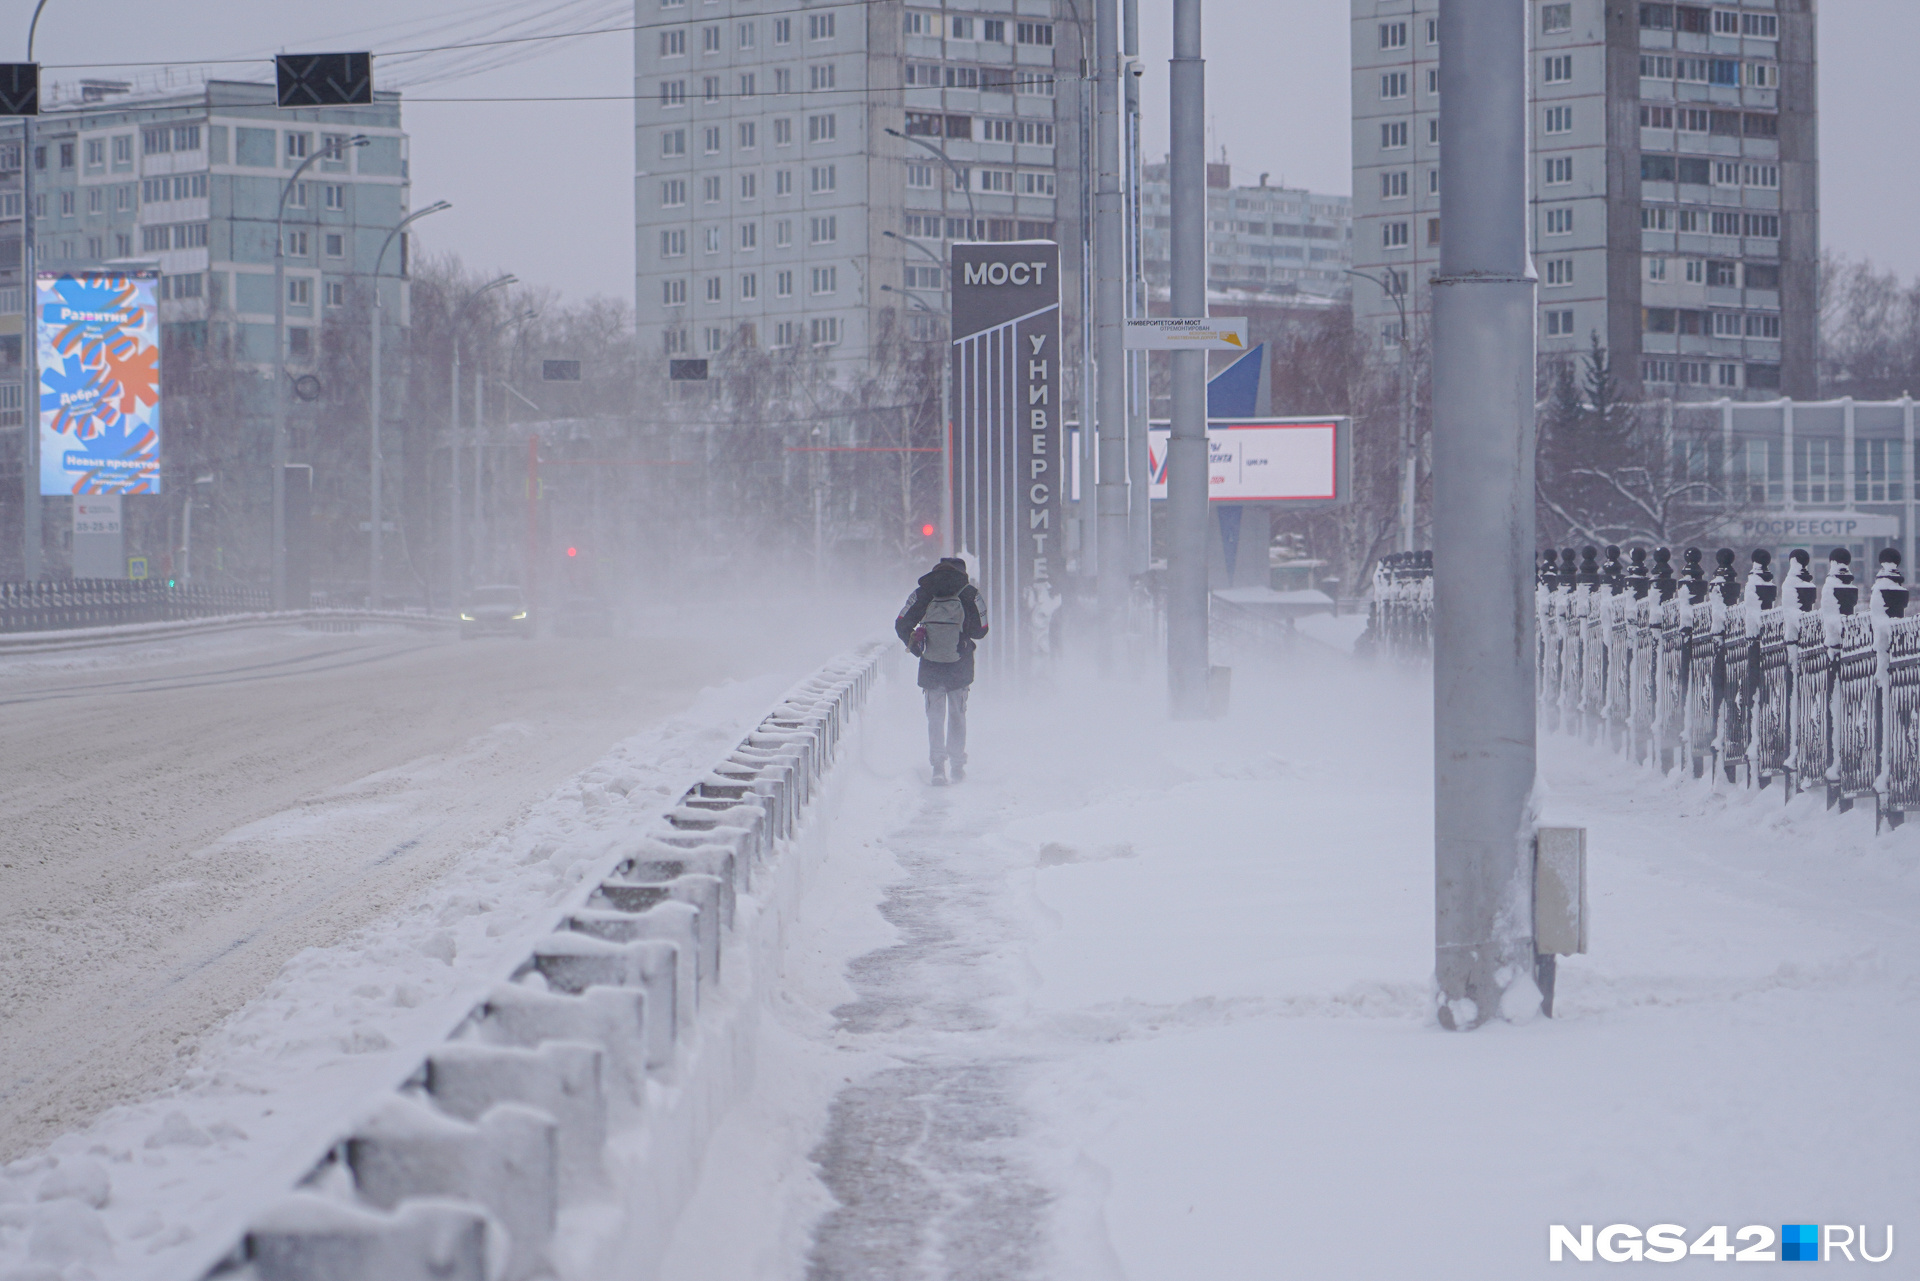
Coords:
pixel 496 611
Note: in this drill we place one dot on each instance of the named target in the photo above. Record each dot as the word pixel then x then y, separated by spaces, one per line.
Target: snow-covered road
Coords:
pixel 1145 1000
pixel 182 817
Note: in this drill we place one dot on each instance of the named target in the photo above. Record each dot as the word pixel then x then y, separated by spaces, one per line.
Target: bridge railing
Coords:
pixel 59 604
pixel 1815 685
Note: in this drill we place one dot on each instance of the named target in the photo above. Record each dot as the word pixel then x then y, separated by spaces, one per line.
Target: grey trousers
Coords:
pixel 946 725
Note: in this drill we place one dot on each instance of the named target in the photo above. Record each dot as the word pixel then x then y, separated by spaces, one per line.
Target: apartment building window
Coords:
pixel 673 93
pixel 713 289
pixel 716 338
pixel 1433 31
pixel 296 244
pixel 1035 133
pixel 96 247
pixel 1651 117
pixel 1560 119
pixel 1393 35
pixel 786 333
pixel 673 44
pixel 1559 271
pixel 1763 325
pixel 1393 185
pixel 67 205
pixel 1560 222
pixel 1036 184
pixel 1878 470
pixel 783 132
pixel 782 233
pixel 923 276
pixel 673 243
pixel 1725 224
pixel 1724 71
pixel 1433 81
pixel 1000 180
pixel 824 331
pixel 1559 170
pixel 1393 85
pixel 826 280
pixel 993 30
pixel 823 178
pixel 299 292
pixel 673 193
pixel 1728 324
pixel 1757 462
pixel 747 85
pixel 96 152
pixel 1760 124
pixel 749 186
pixel 673 293
pixel 1817 469
pixel 713 240
pixel 749 235
pixel 1033 33
pixel 783 30
pixel 710 88
pixel 1556 18
pixel 1656 66
pixel 1393 235
pixel 122 198
pixel 336 293
pixel 66 155
pixel 712 140
pixel 1656 270
pixel 746 35
pixel 1760 26
pixel 673 142
pixel 1559 322
pixel 122 150
pixel 336 245
pixel 923 24
pixel 820 76
pixel 1393 135
pixel 1433 132
pixel 1699 272
pixel 824 128
pixel 920 177
pixel 298 145
pixel 749 135
pixel 710 189
pixel 1433 182
pixel 675 341
pixel 96 201
pixel 1762 75
pixel 749 287
pixel 1691 70
pixel 783 182
pixel 709 40
pixel 1763 226
pixel 333 195
pixel 823 230
pixel 782 80
pixel 1558 69
pixel 820 26
pixel 1763 175
pixel 783 284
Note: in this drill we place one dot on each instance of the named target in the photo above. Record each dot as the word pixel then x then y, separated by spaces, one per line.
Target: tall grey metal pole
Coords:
pixel 31 551
pixel 1109 247
pixel 453 468
pixel 1483 524
pixel 1139 479
pixel 1187 450
pixel 375 459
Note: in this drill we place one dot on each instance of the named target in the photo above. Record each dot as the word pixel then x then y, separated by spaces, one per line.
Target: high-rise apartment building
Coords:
pixel 802 168
pixel 1674 202
pixel 1279 240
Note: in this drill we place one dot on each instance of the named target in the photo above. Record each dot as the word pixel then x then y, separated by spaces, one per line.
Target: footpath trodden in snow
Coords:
pixel 1145 1000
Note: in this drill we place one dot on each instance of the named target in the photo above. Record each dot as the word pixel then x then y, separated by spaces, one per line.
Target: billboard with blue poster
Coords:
pixel 98 339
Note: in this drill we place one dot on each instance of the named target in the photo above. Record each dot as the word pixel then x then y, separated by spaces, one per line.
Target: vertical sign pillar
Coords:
pixel 1009 462
pixel 1483 524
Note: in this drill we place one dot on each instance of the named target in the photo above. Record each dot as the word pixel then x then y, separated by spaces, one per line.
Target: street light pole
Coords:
pixel 1110 353
pixel 376 462
pixel 1187 658
pixel 278 373
pixel 30 530
pixel 1483 526
pixel 454 521
pixel 949 539
pixel 480 424
pixel 1410 457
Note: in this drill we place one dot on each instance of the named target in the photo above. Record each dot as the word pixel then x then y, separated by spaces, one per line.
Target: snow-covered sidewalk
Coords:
pixel 1144 1000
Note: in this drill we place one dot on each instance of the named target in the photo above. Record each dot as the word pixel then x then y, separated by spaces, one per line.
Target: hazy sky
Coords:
pixel 544 189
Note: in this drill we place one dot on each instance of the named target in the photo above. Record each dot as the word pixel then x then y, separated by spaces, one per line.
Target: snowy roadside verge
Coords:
pixel 163 1188
pixel 141 633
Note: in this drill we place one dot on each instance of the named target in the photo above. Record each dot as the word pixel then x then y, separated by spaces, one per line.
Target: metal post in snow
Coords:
pixel 375 557
pixel 453 469
pixel 1139 479
pixel 1109 247
pixel 31 531
pixel 1187 450
pixel 1483 524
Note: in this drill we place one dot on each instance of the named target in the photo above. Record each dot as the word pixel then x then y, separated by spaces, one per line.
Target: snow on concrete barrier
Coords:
pixel 1716 671
pixel 561 1126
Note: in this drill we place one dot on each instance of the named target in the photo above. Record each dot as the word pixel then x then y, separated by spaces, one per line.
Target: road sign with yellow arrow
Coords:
pixel 1171 333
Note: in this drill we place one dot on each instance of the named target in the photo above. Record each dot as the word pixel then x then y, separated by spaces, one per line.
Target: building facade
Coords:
pixel 1674 185
pixel 802 169
pixel 1279 240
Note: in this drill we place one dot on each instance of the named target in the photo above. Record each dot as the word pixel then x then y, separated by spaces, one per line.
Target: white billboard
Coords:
pixel 1264 460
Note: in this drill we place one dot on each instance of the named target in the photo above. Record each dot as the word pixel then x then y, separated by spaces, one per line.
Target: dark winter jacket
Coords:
pixel 948 578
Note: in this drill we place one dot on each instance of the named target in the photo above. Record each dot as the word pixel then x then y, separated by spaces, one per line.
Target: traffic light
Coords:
pixel 927 530
pixel 324 79
pixel 573 551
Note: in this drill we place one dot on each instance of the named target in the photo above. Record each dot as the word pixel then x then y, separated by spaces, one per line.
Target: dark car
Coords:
pixel 496 611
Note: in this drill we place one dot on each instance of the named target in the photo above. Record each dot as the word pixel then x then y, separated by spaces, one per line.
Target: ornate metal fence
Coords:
pixel 1714 670
pixel 106 602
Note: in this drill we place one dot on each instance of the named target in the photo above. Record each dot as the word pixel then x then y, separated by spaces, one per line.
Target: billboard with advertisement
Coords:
pixel 1295 461
pixel 98 341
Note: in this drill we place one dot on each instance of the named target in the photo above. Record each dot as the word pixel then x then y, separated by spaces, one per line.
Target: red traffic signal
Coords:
pixel 573 551
pixel 926 531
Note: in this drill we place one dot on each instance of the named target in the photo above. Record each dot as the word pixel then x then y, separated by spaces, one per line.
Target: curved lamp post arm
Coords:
pixel 967 187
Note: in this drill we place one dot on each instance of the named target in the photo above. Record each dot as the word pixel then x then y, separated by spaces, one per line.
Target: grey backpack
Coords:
pixel 943 620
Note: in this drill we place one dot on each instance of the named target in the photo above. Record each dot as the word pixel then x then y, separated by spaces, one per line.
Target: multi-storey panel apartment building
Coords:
pixel 801 168
pixel 192 181
pixel 1674 210
pixel 1279 240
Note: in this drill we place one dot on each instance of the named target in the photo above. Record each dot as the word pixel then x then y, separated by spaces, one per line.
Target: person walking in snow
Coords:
pixel 941 625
